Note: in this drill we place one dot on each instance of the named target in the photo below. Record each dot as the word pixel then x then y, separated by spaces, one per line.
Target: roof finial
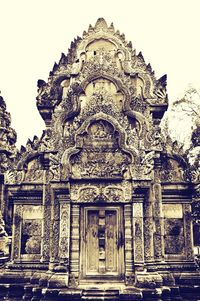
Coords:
pixel 101 24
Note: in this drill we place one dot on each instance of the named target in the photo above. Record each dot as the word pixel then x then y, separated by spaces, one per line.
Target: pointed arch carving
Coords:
pixel 174 168
pixel 99 142
pixel 23 163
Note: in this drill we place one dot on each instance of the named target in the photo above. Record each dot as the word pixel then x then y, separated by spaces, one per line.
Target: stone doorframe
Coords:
pixel 94 229
pixel 133 240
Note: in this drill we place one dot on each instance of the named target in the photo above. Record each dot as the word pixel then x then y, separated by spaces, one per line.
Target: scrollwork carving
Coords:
pixel 148 162
pixel 102 62
pixel 110 193
pixel 64 232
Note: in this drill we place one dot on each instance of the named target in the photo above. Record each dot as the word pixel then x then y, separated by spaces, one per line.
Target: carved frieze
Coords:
pixel 92 164
pixel 119 192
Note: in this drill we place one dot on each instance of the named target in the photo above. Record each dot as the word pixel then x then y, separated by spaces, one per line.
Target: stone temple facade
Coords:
pixel 99 207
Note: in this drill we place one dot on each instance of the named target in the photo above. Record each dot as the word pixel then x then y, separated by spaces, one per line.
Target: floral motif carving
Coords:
pixel 64 232
pixel 148 162
pixel 114 194
pixel 111 193
pixel 103 61
pixel 88 194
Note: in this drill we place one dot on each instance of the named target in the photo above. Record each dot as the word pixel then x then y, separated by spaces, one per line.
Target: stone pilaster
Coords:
pixel 148 228
pixel 46 201
pixel 158 223
pixel 128 244
pixel 138 235
pixel 54 234
pixel 64 240
pixel 75 243
pixel 188 232
pixel 16 245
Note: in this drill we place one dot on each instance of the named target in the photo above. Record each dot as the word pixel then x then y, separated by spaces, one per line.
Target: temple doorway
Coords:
pixel 102 242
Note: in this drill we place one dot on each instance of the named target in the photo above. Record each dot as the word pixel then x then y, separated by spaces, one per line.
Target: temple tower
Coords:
pixel 100 198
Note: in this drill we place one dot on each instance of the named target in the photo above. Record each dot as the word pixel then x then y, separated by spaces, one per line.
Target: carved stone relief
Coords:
pixel 172 171
pixel 34 172
pixel 102 107
pixel 121 192
pixel 138 243
pixel 100 155
pixel 14 176
pixel 107 164
pixel 64 232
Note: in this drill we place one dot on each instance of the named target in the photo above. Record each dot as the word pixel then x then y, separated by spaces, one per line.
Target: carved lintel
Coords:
pixel 109 192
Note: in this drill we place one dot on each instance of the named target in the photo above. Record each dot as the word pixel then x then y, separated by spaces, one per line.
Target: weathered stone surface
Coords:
pixel 99 198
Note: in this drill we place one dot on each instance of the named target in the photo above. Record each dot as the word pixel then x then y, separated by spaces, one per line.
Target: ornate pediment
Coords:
pixel 100 151
pixel 104 53
pixel 173 169
pixel 102 107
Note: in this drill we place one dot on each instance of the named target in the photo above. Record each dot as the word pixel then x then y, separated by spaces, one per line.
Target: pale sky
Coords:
pixel 34 33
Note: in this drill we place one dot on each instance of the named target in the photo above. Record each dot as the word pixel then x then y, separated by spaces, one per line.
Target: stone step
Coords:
pixel 97 295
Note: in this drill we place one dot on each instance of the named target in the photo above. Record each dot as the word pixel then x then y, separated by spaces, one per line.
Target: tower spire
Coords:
pixel 8 138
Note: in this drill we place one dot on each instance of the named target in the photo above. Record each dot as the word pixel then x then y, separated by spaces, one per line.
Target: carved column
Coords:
pixel 54 235
pixel 158 223
pixel 46 201
pixel 148 227
pixel 188 232
pixel 16 244
pixel 128 244
pixel 64 239
pixel 75 243
pixel 138 235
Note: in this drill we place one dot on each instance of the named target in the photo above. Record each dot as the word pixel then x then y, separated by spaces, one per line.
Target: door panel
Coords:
pixel 111 241
pixel 92 241
pixel 101 253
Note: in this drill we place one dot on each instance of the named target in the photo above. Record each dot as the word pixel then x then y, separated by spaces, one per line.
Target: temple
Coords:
pixel 99 207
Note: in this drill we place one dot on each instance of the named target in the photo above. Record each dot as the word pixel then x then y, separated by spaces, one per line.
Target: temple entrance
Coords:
pixel 102 243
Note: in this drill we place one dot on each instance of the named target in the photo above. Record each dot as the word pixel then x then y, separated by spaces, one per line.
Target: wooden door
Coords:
pixel 102 242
